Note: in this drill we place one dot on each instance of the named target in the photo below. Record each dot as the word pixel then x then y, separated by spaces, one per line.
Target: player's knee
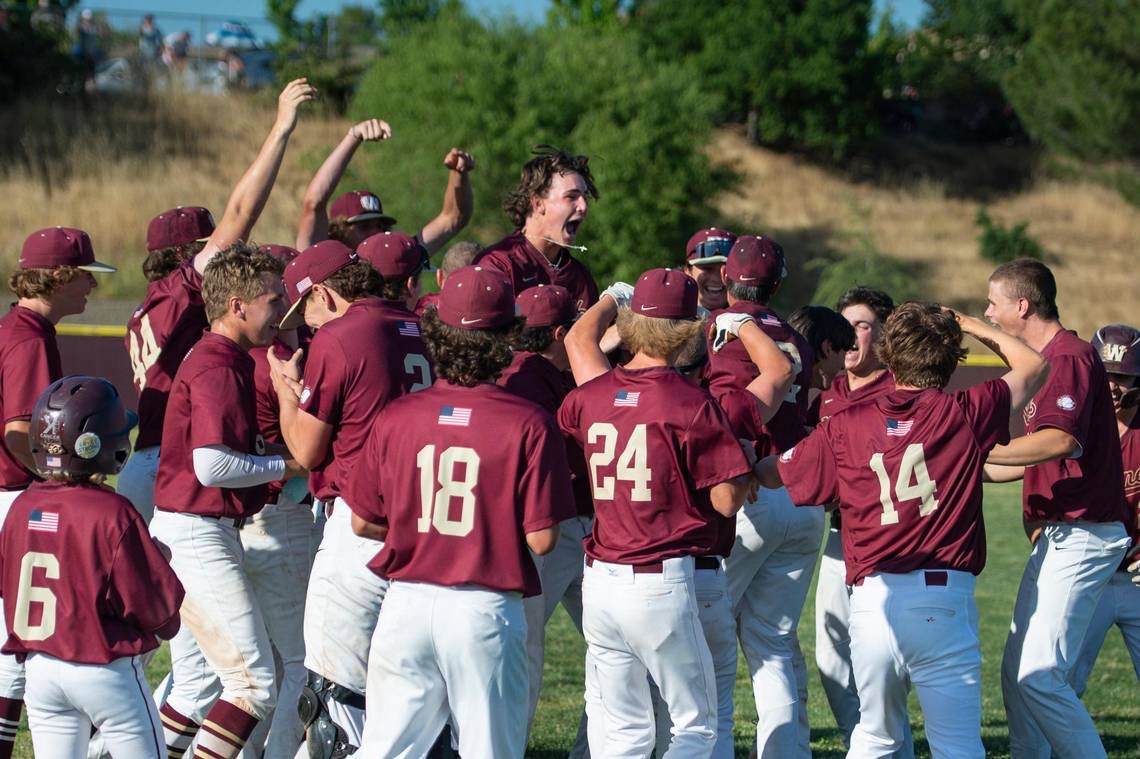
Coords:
pixel 1040 685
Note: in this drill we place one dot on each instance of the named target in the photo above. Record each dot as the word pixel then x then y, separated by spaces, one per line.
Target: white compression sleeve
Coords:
pixel 217 466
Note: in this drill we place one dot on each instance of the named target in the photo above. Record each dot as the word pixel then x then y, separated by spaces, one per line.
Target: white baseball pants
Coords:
pixel 1119 605
pixel 11 671
pixel 220 609
pixel 561 575
pixel 639 625
pixel 447 652
pixel 911 629
pixel 65 700
pixel 1069 567
pixel 769 575
pixel 136 481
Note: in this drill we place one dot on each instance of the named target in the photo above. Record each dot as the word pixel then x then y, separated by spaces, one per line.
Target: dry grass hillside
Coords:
pixel 110 169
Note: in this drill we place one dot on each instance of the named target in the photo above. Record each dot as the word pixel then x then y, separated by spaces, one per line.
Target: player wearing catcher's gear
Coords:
pixel 770 567
pixel 492 481
pixel 171 318
pixel 677 467
pixel 87 590
pixel 210 481
pixel 546 208
pixel 1073 483
pixel 705 254
pixel 53 281
pixel 1119 349
pixel 913 532
pixel 356 216
pixel 366 352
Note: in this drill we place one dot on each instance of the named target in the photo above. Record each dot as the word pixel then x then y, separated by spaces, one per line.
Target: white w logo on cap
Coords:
pixel 370 203
pixel 1113 353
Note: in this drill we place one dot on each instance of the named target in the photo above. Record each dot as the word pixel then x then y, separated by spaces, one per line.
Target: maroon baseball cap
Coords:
pixel 756 261
pixel 709 246
pixel 358 205
pixel 546 306
pixel 395 255
pixel 312 267
pixel 476 298
pixel 179 226
pixel 665 294
pixel 282 253
pixel 54 247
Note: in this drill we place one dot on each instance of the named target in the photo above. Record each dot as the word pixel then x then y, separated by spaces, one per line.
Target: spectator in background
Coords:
pixel 150 41
pixel 176 50
pixel 86 47
pixel 5 18
pixel 47 18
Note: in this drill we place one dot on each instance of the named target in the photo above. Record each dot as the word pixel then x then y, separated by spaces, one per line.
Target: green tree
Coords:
pixel 498 91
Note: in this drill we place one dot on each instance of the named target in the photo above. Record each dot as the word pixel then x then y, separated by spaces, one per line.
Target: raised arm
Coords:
pixel 458 202
pixel 583 348
pixel 252 191
pixel 776 371
pixel 1028 369
pixel 314 224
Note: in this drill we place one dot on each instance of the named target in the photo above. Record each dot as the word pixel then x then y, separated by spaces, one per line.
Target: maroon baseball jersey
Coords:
pixel 839 395
pixel 212 402
pixel 654 444
pixel 1076 399
pixel 267 408
pixel 426 301
pixel 731 368
pixel 356 365
pixel 29 362
pixel 1130 453
pixel 160 332
pixel 527 267
pixel 82 579
pixel 460 475
pixel 906 468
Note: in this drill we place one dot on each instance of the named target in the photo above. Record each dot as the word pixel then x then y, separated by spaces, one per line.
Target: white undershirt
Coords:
pixel 218 466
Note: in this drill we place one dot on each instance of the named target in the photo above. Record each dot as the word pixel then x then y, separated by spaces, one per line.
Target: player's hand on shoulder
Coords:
pixel 459 161
pixel 371 130
pixel 727 327
pixel 621 292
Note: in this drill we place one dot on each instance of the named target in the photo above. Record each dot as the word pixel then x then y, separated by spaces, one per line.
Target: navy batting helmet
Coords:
pixel 80 426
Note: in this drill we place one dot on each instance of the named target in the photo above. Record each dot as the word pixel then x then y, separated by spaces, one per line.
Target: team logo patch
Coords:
pixel 454 416
pixel 1029 412
pixel 259 445
pixel 626 398
pixel 786 456
pixel 1066 403
pixel 370 202
pixel 88 445
pixel 1113 353
pixel 306 393
pixel 897 428
pixel 409 329
pixel 43 521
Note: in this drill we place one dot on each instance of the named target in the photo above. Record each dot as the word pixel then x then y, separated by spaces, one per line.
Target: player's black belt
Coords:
pixel 657 567
pixel 237 522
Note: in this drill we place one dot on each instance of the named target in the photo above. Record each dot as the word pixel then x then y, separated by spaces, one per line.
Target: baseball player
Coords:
pixel 705 253
pixel 366 352
pixel 356 216
pixel 85 588
pixel 1119 349
pixel 547 207
pixel 663 463
pixel 1074 483
pixel 906 468
pixel 770 567
pixel 53 280
pixel 171 318
pixel 457 256
pixel 210 481
pixel 451 640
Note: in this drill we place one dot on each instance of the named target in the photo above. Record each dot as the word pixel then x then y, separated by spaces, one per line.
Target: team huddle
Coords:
pixel 352 508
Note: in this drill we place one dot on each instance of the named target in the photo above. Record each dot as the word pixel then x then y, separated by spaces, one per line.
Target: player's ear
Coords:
pixel 560 333
pixel 439 277
pixel 537 204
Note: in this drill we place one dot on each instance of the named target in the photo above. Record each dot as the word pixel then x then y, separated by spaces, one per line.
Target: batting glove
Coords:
pixel 1134 567
pixel 728 327
pixel 621 292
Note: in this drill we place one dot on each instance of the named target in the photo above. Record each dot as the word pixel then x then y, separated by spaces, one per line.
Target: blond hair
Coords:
pixel 657 338
pixel 236 273
pixel 41 283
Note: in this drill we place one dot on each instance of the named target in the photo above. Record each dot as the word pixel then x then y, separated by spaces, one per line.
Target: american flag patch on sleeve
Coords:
pixel 43 521
pixel 895 428
pixel 409 329
pixel 453 416
pixel 626 398
pixel 770 320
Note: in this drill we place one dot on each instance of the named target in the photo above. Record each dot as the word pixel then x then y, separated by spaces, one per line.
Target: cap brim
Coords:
pixel 295 316
pixel 99 267
pixel 367 216
pixel 706 261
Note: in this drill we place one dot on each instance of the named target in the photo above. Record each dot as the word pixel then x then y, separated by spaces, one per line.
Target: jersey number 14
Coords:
pixel 913 482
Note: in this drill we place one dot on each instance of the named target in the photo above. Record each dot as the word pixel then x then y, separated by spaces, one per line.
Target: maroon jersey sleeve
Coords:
pixel 712 453
pixel 1062 402
pixel 144 591
pixel 742 410
pixel 987 408
pixel 27 370
pixel 324 382
pixel 545 480
pixel 809 470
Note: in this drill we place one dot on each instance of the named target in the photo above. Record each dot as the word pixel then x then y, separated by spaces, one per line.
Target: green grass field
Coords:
pixel 1113 694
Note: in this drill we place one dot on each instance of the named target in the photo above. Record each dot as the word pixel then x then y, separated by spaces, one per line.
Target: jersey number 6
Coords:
pixel 436 504
pixel 29 594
